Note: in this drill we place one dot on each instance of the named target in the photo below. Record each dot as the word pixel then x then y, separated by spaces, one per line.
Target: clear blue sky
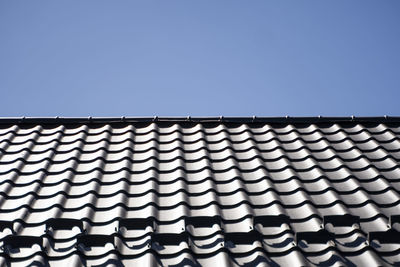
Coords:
pixel 171 58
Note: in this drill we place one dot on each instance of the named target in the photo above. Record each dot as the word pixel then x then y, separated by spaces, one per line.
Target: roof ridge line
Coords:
pixel 253 119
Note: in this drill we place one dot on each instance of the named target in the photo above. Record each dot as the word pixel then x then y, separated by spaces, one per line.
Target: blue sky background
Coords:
pixel 171 58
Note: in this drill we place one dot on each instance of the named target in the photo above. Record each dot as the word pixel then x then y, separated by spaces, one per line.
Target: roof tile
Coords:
pixel 277 191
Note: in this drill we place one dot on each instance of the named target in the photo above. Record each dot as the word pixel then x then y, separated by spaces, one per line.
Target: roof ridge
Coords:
pixel 253 119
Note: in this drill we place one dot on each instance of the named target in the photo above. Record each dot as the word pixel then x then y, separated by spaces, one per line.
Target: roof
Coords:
pixel 200 191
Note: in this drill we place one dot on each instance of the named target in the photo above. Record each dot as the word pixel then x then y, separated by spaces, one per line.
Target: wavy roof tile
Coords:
pixel 200 191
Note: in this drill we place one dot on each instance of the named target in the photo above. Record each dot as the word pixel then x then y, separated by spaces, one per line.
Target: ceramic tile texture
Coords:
pixel 200 191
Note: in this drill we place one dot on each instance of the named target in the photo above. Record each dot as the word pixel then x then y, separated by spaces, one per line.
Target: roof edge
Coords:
pixel 254 119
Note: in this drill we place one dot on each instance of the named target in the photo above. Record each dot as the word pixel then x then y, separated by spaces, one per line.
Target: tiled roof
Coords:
pixel 200 191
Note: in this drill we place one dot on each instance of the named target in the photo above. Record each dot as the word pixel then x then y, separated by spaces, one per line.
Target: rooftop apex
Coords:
pixel 286 119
